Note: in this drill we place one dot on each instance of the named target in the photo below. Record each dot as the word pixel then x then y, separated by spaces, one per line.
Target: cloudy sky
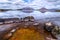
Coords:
pixel 34 4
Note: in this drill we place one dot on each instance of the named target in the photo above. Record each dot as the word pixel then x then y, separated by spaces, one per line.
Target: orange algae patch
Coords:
pixel 27 34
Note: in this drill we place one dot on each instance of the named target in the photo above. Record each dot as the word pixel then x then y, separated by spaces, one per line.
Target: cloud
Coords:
pixel 3 0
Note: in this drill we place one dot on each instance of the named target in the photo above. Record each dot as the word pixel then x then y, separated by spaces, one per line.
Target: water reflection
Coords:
pixel 34 5
pixel 36 14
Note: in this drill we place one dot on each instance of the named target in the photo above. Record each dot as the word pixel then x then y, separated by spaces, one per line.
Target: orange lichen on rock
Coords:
pixel 27 34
